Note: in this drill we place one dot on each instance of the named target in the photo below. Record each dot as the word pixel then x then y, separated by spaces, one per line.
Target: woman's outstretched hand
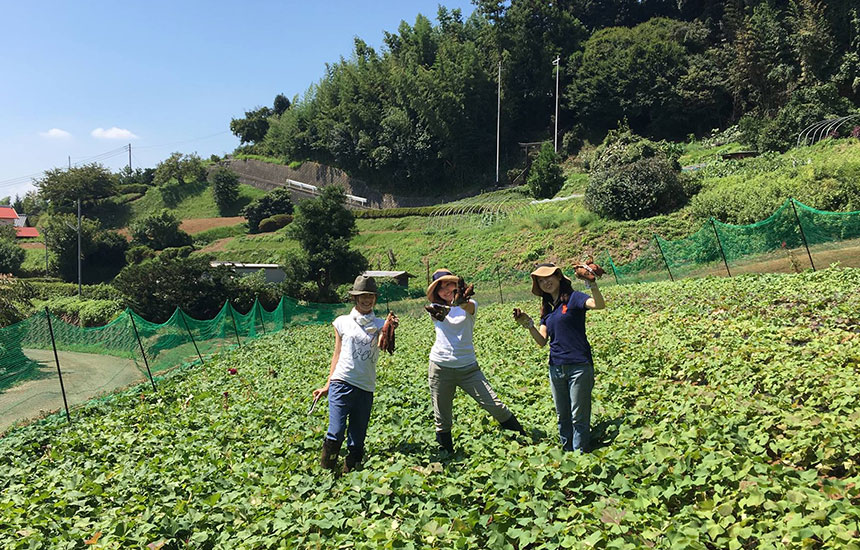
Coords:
pixel 523 318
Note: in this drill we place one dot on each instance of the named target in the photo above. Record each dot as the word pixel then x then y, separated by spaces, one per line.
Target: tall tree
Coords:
pixel 180 168
pixel 324 227
pixel 811 39
pixel 62 187
pixel 761 74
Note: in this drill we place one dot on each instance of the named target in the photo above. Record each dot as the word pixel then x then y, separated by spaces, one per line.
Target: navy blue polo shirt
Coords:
pixel 565 328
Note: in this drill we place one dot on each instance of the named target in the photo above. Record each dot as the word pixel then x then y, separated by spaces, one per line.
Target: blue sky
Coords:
pixel 84 79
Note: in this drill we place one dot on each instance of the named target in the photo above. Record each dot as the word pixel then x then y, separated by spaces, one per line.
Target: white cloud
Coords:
pixel 113 133
pixel 55 133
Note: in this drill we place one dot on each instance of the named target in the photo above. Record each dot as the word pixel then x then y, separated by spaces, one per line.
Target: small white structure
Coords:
pixel 314 190
pixel 273 272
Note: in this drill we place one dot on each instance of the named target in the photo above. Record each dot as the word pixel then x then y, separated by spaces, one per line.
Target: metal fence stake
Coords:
pixel 233 317
pixel 720 244
pixel 182 316
pixel 802 234
pixel 143 353
pixel 660 248
pixel 259 308
pixel 57 359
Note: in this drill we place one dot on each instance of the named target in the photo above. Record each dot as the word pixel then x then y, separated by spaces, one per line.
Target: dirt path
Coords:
pixel 198 225
pixel 85 375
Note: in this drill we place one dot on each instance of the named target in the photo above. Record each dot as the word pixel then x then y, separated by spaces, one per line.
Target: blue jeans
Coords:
pixel 346 402
pixel 571 392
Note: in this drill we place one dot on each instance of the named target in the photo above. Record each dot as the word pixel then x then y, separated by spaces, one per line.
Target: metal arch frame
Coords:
pixel 815 132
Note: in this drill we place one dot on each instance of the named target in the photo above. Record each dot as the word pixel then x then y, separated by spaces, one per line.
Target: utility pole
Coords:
pixel 498 122
pixel 129 157
pixel 79 248
pixel 557 63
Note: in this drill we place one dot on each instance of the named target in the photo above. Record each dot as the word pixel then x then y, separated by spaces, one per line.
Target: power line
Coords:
pixel 183 142
pixel 107 155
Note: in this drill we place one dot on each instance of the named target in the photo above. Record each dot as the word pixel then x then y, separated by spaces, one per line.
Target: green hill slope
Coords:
pixel 189 201
pixel 825 176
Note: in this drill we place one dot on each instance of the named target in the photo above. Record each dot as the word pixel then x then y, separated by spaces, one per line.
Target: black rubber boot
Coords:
pixel 445 441
pixel 354 456
pixel 514 425
pixel 330 450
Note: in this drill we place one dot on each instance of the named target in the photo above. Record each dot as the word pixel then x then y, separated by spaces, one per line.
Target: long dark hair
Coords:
pixel 565 289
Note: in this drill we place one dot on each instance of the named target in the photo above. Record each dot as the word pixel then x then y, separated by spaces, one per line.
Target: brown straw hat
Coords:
pixel 439 276
pixel 545 270
pixel 363 285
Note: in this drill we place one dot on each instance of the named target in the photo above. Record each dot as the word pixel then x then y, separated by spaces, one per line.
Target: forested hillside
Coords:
pixel 422 108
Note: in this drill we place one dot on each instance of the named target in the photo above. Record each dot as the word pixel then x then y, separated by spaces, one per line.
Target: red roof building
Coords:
pixel 26 232
pixel 7 215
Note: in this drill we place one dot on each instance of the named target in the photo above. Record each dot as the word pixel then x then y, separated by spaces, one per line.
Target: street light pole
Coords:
pixel 557 63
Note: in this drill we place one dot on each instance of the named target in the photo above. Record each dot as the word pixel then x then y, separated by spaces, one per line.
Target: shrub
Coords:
pixel 137 254
pixel 133 188
pixel 545 178
pixel 274 202
pixel 225 188
pixel 14 301
pixel 84 312
pixel 103 252
pixel 176 252
pixel 155 288
pixel 643 188
pixel 45 290
pixel 275 222
pixel 159 231
pixel 11 256
pixel 8 233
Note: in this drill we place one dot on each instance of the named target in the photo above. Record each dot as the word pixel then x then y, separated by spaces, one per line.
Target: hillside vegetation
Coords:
pixel 725 417
pixel 824 176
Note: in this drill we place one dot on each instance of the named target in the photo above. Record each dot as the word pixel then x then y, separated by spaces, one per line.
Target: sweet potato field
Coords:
pixel 726 415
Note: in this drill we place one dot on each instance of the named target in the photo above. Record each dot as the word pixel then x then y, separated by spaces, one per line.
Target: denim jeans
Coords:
pixel 571 392
pixel 348 403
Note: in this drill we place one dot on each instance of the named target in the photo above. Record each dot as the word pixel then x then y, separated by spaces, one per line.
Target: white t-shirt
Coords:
pixel 453 347
pixel 359 351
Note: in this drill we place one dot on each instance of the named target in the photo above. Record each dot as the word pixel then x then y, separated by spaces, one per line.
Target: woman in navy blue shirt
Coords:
pixel 571 367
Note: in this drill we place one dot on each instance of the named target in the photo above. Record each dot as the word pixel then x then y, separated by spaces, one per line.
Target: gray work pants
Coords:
pixel 444 382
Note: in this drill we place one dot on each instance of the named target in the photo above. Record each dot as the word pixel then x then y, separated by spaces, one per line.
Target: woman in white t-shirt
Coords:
pixel 452 358
pixel 352 377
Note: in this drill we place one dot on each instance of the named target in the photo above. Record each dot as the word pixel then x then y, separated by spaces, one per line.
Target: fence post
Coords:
pixel 612 265
pixel 660 248
pixel 57 359
pixel 720 244
pixel 499 280
pixel 182 316
pixel 235 328
pixel 143 353
pixel 259 308
pixel 802 234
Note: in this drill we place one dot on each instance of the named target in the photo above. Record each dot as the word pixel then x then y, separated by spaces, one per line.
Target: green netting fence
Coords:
pixel 128 350
pixel 794 238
